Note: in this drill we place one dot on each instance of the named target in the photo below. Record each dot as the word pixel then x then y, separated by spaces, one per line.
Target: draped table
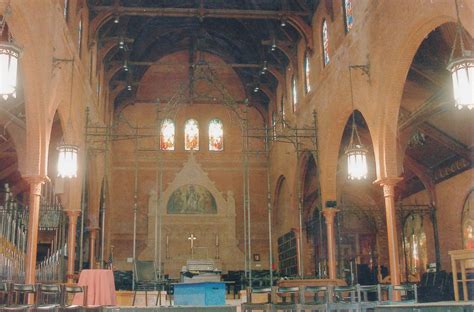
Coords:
pixel 100 288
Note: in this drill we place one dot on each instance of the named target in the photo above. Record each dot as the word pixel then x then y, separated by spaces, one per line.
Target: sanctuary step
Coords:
pixel 227 308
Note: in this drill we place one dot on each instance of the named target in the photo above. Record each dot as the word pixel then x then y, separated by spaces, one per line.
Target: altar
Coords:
pixel 193 219
pixel 199 294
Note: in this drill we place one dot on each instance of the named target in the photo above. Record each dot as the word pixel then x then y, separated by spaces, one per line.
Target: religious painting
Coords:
pixel 167 135
pixel 191 199
pixel 191 135
pixel 216 135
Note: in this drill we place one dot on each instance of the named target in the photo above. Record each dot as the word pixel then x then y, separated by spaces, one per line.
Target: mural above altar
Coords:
pixel 191 199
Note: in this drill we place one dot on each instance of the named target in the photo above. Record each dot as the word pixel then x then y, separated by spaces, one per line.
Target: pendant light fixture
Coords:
pixel 67 158
pixel 355 152
pixel 462 69
pixel 9 54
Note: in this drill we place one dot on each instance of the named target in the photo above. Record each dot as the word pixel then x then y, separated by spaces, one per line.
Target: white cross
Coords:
pixel 192 238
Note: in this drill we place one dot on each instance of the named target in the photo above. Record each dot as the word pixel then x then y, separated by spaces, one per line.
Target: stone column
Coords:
pixel 71 242
pixel 92 240
pixel 329 214
pixel 388 185
pixel 35 183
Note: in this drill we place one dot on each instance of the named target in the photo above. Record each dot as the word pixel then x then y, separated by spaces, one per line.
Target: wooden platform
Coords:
pixel 443 306
pixel 226 308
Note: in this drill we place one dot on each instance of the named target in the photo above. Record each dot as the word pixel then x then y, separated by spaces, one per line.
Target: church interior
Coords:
pixel 212 153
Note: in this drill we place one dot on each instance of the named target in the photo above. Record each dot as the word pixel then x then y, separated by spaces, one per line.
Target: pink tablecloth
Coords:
pixel 100 287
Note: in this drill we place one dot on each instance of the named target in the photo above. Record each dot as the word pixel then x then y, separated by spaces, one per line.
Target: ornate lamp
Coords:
pixel 67 161
pixel 9 54
pixel 355 152
pixel 67 153
pixel 462 70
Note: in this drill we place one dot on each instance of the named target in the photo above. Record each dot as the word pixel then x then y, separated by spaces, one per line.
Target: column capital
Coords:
pixel 36 179
pixel 388 181
pixel 329 214
pixel 72 213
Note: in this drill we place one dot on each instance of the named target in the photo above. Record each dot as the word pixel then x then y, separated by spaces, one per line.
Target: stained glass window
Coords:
pixel 66 9
pixel 216 135
pixel 307 83
pixel 167 135
pixel 468 222
pixel 293 93
pixel 325 41
pixel 349 19
pixel 191 135
pixel 79 37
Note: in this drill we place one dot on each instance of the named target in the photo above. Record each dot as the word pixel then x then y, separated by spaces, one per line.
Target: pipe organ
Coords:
pixel 13 227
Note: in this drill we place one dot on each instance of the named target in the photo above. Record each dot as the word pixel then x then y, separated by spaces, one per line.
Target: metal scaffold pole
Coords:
pixel 83 196
pixel 104 198
pixel 135 204
pixel 247 192
pixel 269 207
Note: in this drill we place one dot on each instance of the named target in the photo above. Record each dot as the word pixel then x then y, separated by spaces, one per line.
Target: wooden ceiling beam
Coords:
pixel 424 174
pixel 416 69
pixel 8 171
pixel 198 12
pixel 447 141
pixel 6 145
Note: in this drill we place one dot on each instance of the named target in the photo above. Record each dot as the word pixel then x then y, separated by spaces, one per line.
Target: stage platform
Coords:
pixel 442 306
pixel 226 308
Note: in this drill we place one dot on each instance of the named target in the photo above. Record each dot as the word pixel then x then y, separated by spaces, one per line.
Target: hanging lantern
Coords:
pixel 9 54
pixel 462 70
pixel 67 161
pixel 462 73
pixel 356 162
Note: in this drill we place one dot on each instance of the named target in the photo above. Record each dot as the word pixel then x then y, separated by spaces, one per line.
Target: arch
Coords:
pixel 391 91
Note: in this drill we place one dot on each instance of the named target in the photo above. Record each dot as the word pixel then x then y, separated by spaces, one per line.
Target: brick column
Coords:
pixel 35 183
pixel 388 185
pixel 329 214
pixel 71 242
pixel 92 240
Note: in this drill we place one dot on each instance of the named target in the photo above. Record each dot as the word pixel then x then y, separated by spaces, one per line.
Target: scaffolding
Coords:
pixel 303 139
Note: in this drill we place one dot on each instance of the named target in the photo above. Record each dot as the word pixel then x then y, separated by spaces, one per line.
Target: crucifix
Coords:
pixel 192 238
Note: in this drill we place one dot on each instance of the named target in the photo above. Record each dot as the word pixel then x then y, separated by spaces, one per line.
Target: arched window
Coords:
pixel 294 92
pixel 66 9
pixel 79 37
pixel 191 135
pixel 468 222
pixel 216 135
pixel 348 18
pixel 415 243
pixel 167 135
pixel 325 42
pixel 307 83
